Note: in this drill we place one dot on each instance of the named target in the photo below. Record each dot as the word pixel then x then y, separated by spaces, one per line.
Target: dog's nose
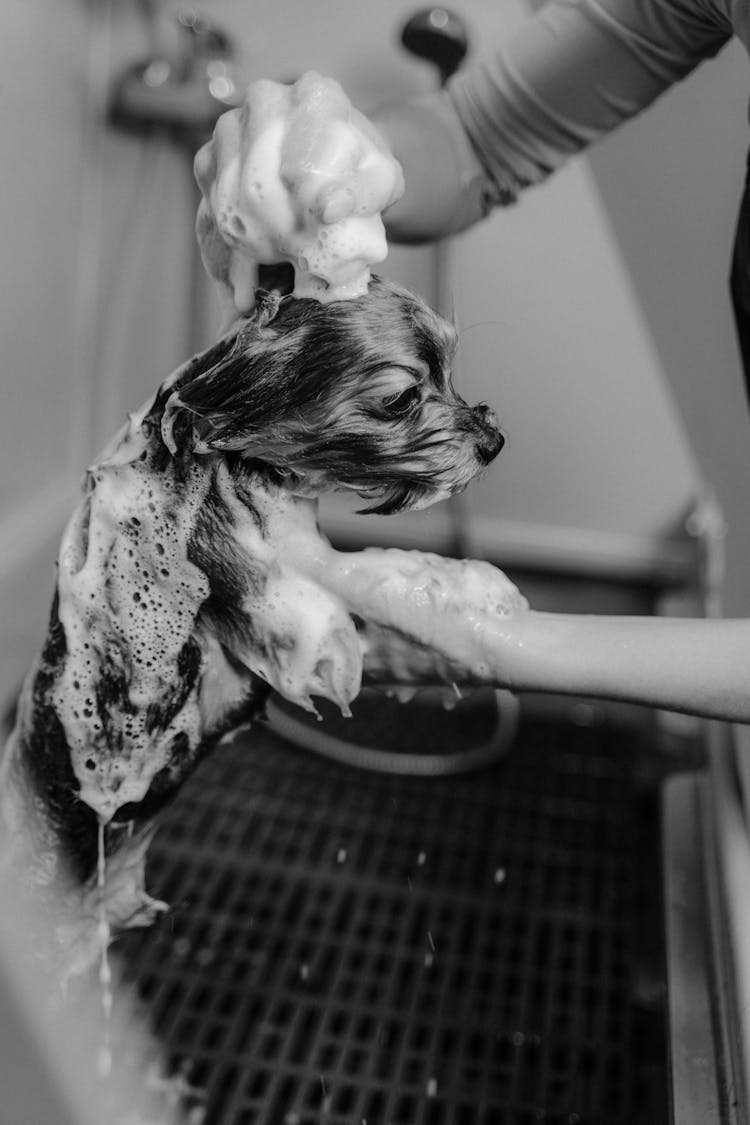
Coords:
pixel 489 439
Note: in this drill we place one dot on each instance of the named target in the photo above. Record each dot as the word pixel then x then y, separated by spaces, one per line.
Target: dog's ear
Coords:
pixel 221 403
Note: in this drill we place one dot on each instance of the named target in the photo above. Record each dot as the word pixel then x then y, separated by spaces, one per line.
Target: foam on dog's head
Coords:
pixel 279 179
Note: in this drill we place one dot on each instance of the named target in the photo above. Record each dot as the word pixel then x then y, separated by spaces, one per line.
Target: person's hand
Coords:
pixel 295 174
pixel 335 161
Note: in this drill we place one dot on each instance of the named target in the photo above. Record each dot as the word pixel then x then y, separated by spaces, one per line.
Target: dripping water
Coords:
pixel 104 1059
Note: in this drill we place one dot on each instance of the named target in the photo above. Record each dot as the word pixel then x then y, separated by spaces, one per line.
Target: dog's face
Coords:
pixel 354 394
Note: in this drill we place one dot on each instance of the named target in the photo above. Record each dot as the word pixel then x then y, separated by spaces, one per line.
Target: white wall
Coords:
pixel 671 183
pixel 94 279
pixel 43 132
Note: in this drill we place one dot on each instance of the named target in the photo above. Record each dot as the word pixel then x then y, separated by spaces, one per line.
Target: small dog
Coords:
pixel 193 580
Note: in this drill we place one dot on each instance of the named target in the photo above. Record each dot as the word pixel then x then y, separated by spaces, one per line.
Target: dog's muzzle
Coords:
pixel 489 440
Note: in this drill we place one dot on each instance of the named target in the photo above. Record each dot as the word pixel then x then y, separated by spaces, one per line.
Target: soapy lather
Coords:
pixel 278 182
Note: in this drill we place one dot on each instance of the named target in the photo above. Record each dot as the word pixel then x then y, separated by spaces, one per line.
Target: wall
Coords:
pixel 95 279
pixel 671 183
pixel 627 274
pixel 44 140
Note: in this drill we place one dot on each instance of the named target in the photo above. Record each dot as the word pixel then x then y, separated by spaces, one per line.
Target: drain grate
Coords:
pixel 347 947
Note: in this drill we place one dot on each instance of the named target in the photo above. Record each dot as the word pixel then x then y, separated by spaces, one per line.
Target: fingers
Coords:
pixel 296 175
pixel 336 203
pixel 366 191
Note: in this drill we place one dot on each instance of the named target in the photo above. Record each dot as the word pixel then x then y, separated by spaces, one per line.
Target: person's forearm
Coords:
pixel 692 665
pixel 574 72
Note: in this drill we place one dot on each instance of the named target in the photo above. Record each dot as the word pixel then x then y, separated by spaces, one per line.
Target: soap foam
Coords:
pixel 296 174
pixel 128 597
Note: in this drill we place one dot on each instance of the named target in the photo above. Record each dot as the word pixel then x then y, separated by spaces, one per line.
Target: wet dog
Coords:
pixel 355 395
pixel 193 580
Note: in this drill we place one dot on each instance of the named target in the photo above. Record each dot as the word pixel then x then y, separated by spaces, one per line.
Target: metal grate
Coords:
pixel 347 947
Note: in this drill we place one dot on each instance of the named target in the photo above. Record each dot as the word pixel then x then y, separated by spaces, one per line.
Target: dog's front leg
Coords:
pixel 429 619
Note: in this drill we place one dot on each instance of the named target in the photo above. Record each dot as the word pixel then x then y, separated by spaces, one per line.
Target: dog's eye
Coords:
pixel 402 403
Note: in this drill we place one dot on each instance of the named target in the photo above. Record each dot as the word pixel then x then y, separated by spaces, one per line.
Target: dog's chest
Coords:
pixel 128 598
pixel 178 587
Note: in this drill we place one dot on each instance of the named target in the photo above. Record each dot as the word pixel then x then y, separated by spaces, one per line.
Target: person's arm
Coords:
pixel 430 619
pixel 575 71
pixel 697 666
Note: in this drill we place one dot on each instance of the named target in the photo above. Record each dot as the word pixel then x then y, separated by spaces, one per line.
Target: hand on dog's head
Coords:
pixel 353 394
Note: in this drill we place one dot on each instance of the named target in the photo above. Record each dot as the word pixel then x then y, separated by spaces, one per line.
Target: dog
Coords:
pixel 193 579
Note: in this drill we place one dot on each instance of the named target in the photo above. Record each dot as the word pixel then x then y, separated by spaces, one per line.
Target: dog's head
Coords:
pixel 353 394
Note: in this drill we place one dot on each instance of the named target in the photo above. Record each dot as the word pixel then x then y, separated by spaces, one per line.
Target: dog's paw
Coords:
pixel 304 643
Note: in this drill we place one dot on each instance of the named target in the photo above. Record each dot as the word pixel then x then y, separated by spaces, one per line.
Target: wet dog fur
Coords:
pixel 298 399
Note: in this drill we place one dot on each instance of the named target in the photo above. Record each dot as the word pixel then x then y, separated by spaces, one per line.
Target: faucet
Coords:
pixel 181 88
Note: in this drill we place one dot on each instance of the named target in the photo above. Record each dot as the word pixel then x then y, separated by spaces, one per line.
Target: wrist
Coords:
pixel 446 188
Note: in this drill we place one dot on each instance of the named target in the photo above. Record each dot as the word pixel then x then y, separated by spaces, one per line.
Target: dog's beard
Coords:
pixel 393 467
pixel 352 395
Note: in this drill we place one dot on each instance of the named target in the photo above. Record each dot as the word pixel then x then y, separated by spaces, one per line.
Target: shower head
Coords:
pixel 438 35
